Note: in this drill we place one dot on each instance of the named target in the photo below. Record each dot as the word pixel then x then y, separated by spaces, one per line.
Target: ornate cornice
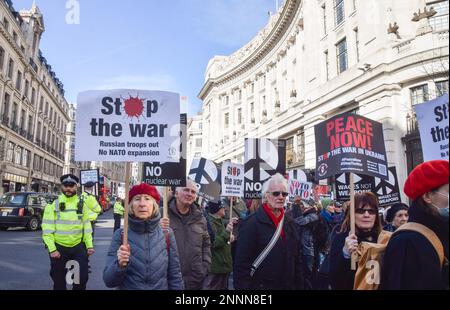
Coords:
pixel 248 56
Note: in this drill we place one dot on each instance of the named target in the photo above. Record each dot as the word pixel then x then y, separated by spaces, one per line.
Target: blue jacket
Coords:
pixel 152 265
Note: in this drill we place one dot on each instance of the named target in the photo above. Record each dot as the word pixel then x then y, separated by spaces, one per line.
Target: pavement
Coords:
pixel 24 261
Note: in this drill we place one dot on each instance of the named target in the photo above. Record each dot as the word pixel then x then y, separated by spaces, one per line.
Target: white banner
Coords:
pixel 88 176
pixel 127 126
pixel 232 180
pixel 432 117
pixel 302 189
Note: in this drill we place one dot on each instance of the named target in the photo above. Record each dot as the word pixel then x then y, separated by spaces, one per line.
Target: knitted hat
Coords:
pixel 214 207
pixel 426 177
pixel 144 189
pixel 392 211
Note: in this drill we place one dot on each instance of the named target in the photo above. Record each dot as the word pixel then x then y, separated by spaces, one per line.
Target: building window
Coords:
pixel 324 19
pixel 441 88
pixel 14 114
pixel 227 119
pixel 341 52
pixel 30 124
pixel 33 96
pixel 41 104
pixel 2 58
pixel 198 142
pixel 239 116
pixel 18 155
pixel 290 157
pixel 10 68
pixel 19 81
pixel 252 112
pixel 27 85
pixel 38 131
pixel 253 88
pixel 15 37
pixel 339 11
pixel 25 158
pixel 440 20
pixel 6 106
pixel 6 24
pixel 46 108
pixel 10 152
pixel 22 119
pixel 36 162
pixel 419 94
pixel 200 125
pixel 327 64
pixel 356 43
pixel 240 94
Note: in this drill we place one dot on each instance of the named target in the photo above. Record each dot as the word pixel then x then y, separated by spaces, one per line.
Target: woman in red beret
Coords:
pixel 412 261
pixel 150 261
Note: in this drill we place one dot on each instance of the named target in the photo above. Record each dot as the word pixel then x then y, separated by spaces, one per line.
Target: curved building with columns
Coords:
pixel 316 59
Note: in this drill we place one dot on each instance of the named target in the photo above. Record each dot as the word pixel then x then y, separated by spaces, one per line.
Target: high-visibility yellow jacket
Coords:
pixel 93 206
pixel 65 226
pixel 118 208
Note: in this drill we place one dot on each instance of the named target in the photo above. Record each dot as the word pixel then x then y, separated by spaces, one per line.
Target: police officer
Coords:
pixel 118 213
pixel 92 204
pixel 67 234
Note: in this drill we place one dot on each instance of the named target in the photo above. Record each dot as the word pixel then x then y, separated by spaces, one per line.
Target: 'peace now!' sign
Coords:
pixel 350 143
pixel 128 125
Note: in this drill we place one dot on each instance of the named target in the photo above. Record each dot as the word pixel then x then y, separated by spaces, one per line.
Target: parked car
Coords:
pixel 23 209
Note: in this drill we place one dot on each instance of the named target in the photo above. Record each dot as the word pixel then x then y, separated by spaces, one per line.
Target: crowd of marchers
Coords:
pixel 263 244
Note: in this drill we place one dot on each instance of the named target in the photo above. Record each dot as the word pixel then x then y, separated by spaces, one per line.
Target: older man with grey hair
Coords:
pixel 277 266
pixel 191 235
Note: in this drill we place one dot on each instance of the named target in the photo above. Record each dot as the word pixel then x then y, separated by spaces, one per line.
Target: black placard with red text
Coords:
pixel 350 143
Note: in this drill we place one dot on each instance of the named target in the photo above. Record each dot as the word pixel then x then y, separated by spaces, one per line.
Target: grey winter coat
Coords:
pixel 194 244
pixel 306 222
pixel 152 265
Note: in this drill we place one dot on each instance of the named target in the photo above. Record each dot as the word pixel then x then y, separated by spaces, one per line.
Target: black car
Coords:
pixel 23 209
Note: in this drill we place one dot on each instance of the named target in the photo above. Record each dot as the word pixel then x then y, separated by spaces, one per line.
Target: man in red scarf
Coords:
pixel 282 267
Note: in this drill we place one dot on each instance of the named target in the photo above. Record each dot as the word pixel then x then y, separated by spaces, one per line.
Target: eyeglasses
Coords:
pixel 362 211
pixel 276 194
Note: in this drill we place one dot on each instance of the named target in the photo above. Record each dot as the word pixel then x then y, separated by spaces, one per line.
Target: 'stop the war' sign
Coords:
pixel 350 143
pixel 232 179
pixel 432 117
pixel 127 125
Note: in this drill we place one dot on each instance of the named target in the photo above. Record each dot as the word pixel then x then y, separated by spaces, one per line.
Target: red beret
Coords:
pixel 426 177
pixel 146 189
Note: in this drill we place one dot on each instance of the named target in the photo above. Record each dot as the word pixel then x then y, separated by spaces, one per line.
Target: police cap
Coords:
pixel 69 179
